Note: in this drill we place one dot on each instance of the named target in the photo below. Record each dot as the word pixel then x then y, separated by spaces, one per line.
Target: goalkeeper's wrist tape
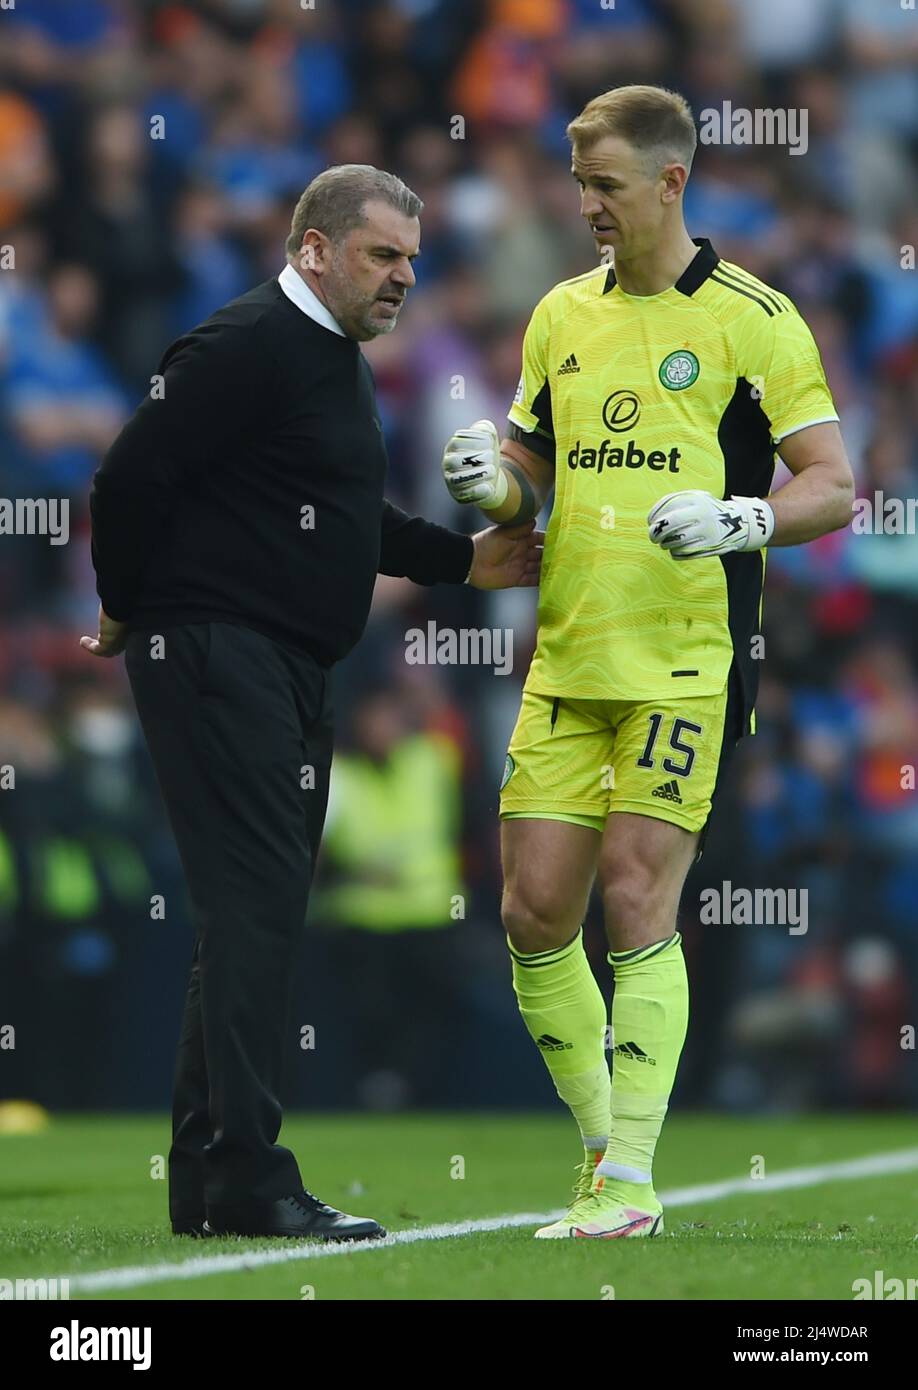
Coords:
pixel 761 521
pixel 499 496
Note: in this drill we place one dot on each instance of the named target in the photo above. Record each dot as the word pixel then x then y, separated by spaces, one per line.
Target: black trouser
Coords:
pixel 234 723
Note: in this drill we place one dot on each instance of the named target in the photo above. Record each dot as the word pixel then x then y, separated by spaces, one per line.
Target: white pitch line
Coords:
pixel 898 1161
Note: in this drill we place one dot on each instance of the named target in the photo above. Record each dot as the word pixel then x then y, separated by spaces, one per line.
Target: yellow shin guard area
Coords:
pixel 649 1023
pixel 565 1013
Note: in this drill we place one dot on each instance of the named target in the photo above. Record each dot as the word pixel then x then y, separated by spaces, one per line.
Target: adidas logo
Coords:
pixel 568 366
pixel 634 1053
pixel 549 1044
pixel 669 792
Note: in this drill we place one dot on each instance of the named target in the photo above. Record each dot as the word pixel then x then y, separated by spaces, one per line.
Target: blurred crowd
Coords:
pixel 151 154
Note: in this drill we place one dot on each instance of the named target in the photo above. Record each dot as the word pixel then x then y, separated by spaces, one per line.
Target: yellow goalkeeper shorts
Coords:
pixel 577 760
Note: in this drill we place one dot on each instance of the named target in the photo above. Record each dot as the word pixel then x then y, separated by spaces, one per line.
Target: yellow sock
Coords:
pixel 649 1023
pixel 565 1013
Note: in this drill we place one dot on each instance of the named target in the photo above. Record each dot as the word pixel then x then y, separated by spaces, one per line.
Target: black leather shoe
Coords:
pixel 189 1226
pixel 300 1215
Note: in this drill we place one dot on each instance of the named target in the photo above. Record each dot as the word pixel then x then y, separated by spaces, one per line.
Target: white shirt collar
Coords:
pixel 296 289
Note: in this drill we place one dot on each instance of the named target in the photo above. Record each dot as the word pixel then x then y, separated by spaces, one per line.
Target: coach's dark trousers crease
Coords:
pixel 234 722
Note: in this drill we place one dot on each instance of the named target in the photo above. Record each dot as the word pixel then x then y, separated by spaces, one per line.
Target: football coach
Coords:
pixel 238 524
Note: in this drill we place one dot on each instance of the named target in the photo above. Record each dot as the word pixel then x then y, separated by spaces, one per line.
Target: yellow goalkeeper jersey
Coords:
pixel 634 397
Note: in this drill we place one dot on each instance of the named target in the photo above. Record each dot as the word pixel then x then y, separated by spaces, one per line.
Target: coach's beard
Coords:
pixel 382 313
pixel 365 319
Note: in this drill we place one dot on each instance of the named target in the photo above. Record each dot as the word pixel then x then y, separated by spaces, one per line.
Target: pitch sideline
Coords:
pixel 873 1165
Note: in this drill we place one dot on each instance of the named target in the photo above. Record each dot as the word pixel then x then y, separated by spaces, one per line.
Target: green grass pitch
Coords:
pixel 79 1196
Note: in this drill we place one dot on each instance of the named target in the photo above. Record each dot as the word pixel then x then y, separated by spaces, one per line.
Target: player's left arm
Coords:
pixel 819 496
pixel 818 499
pixel 781 356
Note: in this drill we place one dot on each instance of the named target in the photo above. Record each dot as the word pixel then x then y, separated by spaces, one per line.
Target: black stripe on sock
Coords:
pixel 622 957
pixel 538 958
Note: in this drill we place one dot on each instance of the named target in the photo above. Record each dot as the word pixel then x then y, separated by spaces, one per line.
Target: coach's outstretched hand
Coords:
pixel 507 557
pixel 109 640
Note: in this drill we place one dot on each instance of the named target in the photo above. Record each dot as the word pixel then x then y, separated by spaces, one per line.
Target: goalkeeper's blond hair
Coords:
pixel 656 122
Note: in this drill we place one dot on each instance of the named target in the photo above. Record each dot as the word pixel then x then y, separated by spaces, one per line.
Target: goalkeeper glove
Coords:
pixel 693 523
pixel 471 466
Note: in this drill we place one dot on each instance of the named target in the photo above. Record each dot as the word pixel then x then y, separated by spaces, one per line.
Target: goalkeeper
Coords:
pixel 653 397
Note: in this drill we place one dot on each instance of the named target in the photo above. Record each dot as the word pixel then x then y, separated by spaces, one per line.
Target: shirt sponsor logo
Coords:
pixel 610 455
pixel 621 411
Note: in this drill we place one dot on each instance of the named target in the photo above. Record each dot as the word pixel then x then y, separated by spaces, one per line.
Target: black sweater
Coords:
pixel 248 487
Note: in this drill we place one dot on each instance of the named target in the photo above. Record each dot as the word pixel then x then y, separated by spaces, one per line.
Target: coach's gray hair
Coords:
pixel 333 203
